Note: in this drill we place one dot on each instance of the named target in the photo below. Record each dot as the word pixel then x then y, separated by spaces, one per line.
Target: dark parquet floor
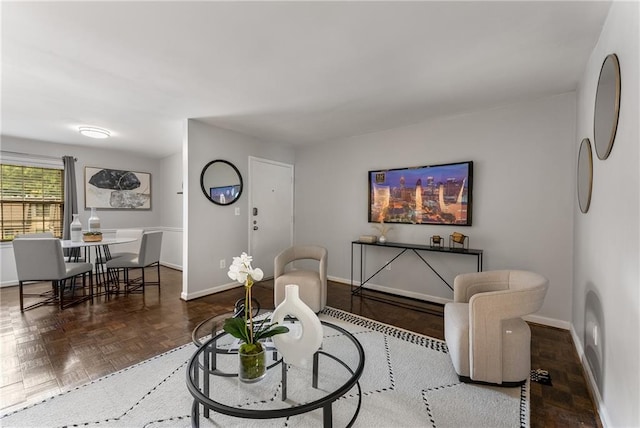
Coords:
pixel 45 351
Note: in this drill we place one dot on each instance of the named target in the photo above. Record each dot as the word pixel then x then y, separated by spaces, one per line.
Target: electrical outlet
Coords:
pixel 223 263
pixel 237 211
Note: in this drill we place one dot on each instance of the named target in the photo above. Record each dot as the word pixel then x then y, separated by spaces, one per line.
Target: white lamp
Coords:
pixel 93 132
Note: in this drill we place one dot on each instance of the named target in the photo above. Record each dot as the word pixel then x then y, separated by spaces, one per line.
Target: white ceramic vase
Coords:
pixel 297 346
pixel 76 228
pixel 94 221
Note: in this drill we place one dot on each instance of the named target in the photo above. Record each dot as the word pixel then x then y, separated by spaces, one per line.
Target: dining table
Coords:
pixel 101 254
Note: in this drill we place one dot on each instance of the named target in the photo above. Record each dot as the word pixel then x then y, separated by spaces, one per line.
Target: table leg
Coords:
pixel 205 366
pixel 284 380
pixel 327 416
pixel 195 414
pixel 315 370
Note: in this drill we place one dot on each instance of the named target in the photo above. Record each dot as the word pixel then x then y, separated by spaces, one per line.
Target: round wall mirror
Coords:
pixel 221 182
pixel 585 175
pixel 607 109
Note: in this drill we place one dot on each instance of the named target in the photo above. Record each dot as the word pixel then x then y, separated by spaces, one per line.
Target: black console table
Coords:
pixel 415 248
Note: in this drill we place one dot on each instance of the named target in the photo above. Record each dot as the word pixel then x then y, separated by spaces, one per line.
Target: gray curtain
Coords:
pixel 70 195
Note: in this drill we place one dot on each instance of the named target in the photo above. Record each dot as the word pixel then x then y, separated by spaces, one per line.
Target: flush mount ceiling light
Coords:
pixel 93 132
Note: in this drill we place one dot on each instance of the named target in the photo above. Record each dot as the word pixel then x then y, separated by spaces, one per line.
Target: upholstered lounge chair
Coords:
pixel 312 284
pixel 487 340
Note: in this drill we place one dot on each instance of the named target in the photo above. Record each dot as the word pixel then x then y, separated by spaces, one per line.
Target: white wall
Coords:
pixel 522 196
pixel 166 175
pixel 606 245
pixel 214 232
pixel 171 210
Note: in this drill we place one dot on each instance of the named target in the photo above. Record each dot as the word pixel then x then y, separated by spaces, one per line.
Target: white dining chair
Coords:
pixel 149 256
pixel 128 248
pixel 42 259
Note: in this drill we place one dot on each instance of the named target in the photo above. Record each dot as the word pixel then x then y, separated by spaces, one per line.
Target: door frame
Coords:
pixel 250 203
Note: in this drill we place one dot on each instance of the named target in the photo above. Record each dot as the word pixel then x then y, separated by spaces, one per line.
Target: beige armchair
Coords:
pixel 312 284
pixel 487 340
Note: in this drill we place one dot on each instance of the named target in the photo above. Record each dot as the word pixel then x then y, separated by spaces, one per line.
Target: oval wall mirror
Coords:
pixel 221 182
pixel 607 108
pixel 585 175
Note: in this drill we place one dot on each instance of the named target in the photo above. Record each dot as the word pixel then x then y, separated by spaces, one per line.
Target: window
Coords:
pixel 31 200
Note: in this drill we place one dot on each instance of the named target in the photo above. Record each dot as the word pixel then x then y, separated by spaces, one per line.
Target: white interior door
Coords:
pixel 270 211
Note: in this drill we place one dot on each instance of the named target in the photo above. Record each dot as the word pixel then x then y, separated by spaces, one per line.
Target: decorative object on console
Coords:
pixel 383 229
pixel 251 355
pixel 297 347
pixel 607 106
pixel 116 189
pixel 435 194
pixel 76 228
pixel 92 236
pixel 369 239
pixel 585 175
pixel 436 241
pixel 458 240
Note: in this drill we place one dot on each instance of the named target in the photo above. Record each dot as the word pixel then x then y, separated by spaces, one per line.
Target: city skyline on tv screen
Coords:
pixel 436 194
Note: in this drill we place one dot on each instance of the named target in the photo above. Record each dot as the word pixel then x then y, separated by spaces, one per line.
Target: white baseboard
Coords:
pixel 208 291
pixel 591 381
pixel 171 265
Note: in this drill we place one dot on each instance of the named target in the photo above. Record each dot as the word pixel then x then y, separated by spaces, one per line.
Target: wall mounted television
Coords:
pixel 224 194
pixel 433 194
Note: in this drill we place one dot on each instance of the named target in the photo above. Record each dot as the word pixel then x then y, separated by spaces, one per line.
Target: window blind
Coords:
pixel 31 200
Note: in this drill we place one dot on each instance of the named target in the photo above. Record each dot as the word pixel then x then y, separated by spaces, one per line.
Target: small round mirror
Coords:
pixel 221 182
pixel 607 108
pixel 585 175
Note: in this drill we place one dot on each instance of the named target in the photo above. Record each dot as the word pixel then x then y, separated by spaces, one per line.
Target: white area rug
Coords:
pixel 408 381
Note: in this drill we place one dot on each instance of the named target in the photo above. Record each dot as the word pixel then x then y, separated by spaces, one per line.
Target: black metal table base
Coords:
pixel 357 290
pixel 209 366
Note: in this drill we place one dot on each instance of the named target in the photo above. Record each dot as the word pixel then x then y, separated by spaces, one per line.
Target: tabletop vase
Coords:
pixel 297 349
pixel 94 221
pixel 252 366
pixel 76 228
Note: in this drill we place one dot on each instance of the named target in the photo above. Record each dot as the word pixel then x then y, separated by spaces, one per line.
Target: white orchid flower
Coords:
pixel 257 274
pixel 241 270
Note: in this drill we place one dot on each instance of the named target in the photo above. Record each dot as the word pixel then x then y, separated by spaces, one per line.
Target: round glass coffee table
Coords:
pixel 286 390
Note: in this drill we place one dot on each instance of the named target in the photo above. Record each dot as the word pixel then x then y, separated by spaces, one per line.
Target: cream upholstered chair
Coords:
pixel 487 340
pixel 35 235
pixel 150 249
pixel 311 283
pixel 41 259
pixel 128 248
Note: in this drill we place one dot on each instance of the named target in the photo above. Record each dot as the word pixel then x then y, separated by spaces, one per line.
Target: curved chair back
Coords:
pixel 485 306
pixel 312 282
pixel 303 252
pixel 39 259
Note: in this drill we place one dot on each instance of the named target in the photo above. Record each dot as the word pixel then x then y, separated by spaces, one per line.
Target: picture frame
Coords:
pixel 106 188
pixel 432 194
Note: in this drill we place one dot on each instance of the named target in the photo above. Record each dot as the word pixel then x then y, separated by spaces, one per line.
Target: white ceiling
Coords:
pixel 292 72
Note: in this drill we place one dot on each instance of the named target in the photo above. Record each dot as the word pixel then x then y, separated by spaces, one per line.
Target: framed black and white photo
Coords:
pixel 106 188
